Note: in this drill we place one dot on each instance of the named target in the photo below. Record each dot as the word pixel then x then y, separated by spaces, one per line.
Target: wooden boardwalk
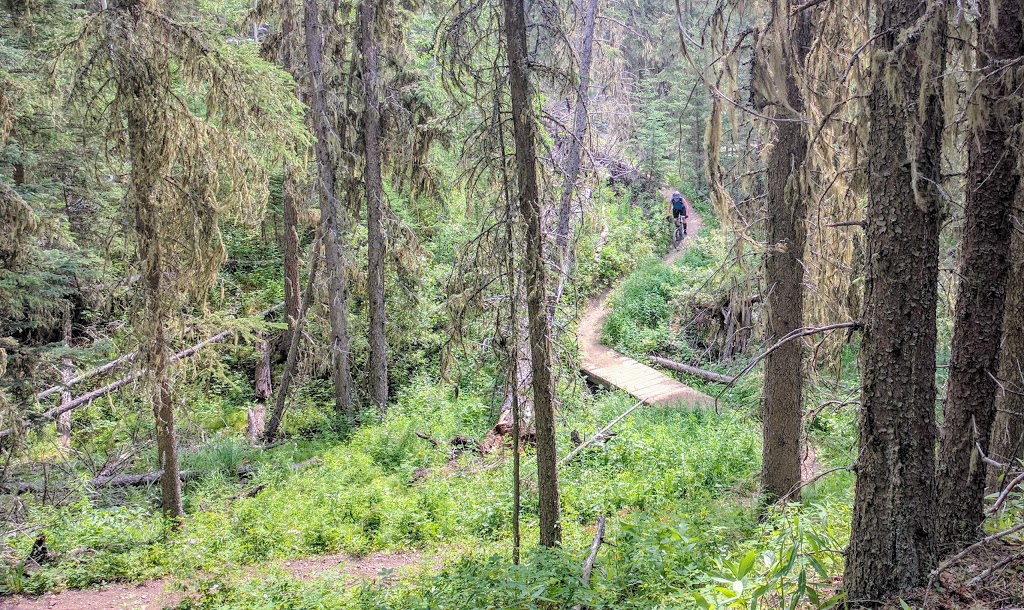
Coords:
pixel 611 369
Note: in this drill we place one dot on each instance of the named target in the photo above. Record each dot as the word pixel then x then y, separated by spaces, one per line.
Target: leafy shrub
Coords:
pixel 641 310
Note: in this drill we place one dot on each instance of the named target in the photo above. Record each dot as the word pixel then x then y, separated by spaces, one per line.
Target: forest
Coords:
pixel 511 304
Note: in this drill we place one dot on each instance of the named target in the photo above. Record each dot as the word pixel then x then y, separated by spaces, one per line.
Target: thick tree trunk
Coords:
pixel 156 355
pixel 563 256
pixel 539 328
pixel 326 172
pixel 786 194
pixel 891 546
pixel 518 384
pixel 992 187
pixel 378 361
pixel 1007 444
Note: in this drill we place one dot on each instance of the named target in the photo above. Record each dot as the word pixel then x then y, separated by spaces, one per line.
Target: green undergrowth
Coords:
pixel 623 235
pixel 387 489
pixel 683 531
pixel 645 303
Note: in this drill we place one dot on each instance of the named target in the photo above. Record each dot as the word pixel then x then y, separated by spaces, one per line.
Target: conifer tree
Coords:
pixel 783 48
pixel 331 211
pixel 993 186
pixel 186 170
pixel 892 547
pixel 378 364
pixel 524 129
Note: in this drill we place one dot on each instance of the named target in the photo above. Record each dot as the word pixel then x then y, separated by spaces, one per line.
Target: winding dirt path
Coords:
pixel 609 368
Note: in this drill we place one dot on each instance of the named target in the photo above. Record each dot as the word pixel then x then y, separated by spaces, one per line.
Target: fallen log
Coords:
pixel 149 478
pixel 459 444
pixel 691 370
pixel 103 368
pixel 87 375
pixel 599 435
pixel 41 418
pixel 595 546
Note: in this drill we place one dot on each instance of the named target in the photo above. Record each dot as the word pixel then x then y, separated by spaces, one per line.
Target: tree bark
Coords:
pixel 158 364
pixel 376 244
pixel 786 195
pixel 67 373
pixel 517 393
pixel 992 187
pixel 292 360
pixel 539 327
pixel 892 546
pixel 326 173
pixel 563 257
pixel 264 390
pixel 147 146
pixel 692 370
pixel 290 239
pixel 290 211
pixel 1007 444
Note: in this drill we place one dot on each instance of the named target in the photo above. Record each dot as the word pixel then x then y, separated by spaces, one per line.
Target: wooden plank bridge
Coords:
pixel 604 366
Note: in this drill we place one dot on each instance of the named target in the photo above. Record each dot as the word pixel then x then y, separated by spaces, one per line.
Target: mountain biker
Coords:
pixel 678 207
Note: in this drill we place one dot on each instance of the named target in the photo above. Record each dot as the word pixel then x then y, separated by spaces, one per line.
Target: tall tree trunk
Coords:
pixel 156 356
pixel 292 360
pixel 290 210
pixel 1007 443
pixel 326 172
pixel 992 186
pixel 891 545
pixel 539 327
pixel 374 207
pixel 146 81
pixel 290 239
pixel 563 257
pixel 786 194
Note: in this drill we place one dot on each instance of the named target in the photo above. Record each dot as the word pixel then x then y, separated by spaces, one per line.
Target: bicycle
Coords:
pixel 679 232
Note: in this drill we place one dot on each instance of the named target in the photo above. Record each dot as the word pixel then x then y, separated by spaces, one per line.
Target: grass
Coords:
pixel 682 532
pixel 362 497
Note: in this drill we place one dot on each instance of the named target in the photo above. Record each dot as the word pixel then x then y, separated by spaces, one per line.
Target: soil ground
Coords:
pixel 157 594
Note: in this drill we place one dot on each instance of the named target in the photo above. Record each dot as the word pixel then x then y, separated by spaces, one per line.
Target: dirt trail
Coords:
pixel 589 331
pixel 164 592
pixel 609 367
